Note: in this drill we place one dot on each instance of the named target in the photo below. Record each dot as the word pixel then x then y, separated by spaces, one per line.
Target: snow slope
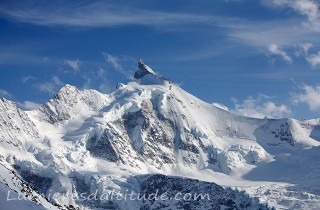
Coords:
pixel 84 141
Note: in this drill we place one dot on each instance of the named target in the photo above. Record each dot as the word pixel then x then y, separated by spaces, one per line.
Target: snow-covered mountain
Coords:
pixel 151 136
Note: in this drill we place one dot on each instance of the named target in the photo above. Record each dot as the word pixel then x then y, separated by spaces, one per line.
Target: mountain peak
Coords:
pixel 68 88
pixel 143 70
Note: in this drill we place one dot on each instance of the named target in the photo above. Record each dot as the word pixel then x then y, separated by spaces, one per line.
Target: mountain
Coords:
pixel 149 138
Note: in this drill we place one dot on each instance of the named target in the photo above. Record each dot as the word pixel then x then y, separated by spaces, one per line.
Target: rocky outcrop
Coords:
pixel 143 70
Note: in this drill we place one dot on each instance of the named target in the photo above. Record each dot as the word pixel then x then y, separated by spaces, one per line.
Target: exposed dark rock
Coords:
pixel 183 193
pixel 39 183
pixel 143 70
pixel 284 134
pixel 102 147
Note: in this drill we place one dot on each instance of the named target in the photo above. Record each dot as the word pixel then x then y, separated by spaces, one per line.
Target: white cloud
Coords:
pixel 74 64
pixel 27 78
pixel 117 63
pixel 97 14
pixel 101 73
pixel 104 86
pixel 309 95
pixel 309 8
pixel 52 86
pixel 98 78
pixel 306 47
pixel 274 49
pixel 250 32
pixel 303 49
pixel 114 61
pixel 4 93
pixel 87 77
pixel 28 105
pixel 19 57
pixel 314 60
pixel 260 107
pixel 221 106
pixel 285 32
pixel 56 80
pixel 23 53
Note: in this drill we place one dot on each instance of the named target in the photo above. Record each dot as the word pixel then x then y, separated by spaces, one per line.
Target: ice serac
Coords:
pixel 83 141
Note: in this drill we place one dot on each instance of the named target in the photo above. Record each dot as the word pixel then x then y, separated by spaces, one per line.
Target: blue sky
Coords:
pixel 256 57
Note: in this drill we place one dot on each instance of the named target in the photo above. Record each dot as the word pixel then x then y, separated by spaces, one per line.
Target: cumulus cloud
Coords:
pixel 314 60
pixel 4 93
pixel 309 95
pixel 28 105
pixel 74 64
pixel 221 106
pixel 52 86
pixel 274 49
pixel 260 107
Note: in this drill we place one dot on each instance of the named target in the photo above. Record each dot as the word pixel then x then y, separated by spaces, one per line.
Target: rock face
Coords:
pixel 143 70
pixel 182 193
pixel 83 141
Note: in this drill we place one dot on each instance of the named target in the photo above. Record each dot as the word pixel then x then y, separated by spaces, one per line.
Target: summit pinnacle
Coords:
pixel 143 70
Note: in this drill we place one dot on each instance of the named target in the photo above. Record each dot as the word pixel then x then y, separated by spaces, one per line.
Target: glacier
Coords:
pixel 150 135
